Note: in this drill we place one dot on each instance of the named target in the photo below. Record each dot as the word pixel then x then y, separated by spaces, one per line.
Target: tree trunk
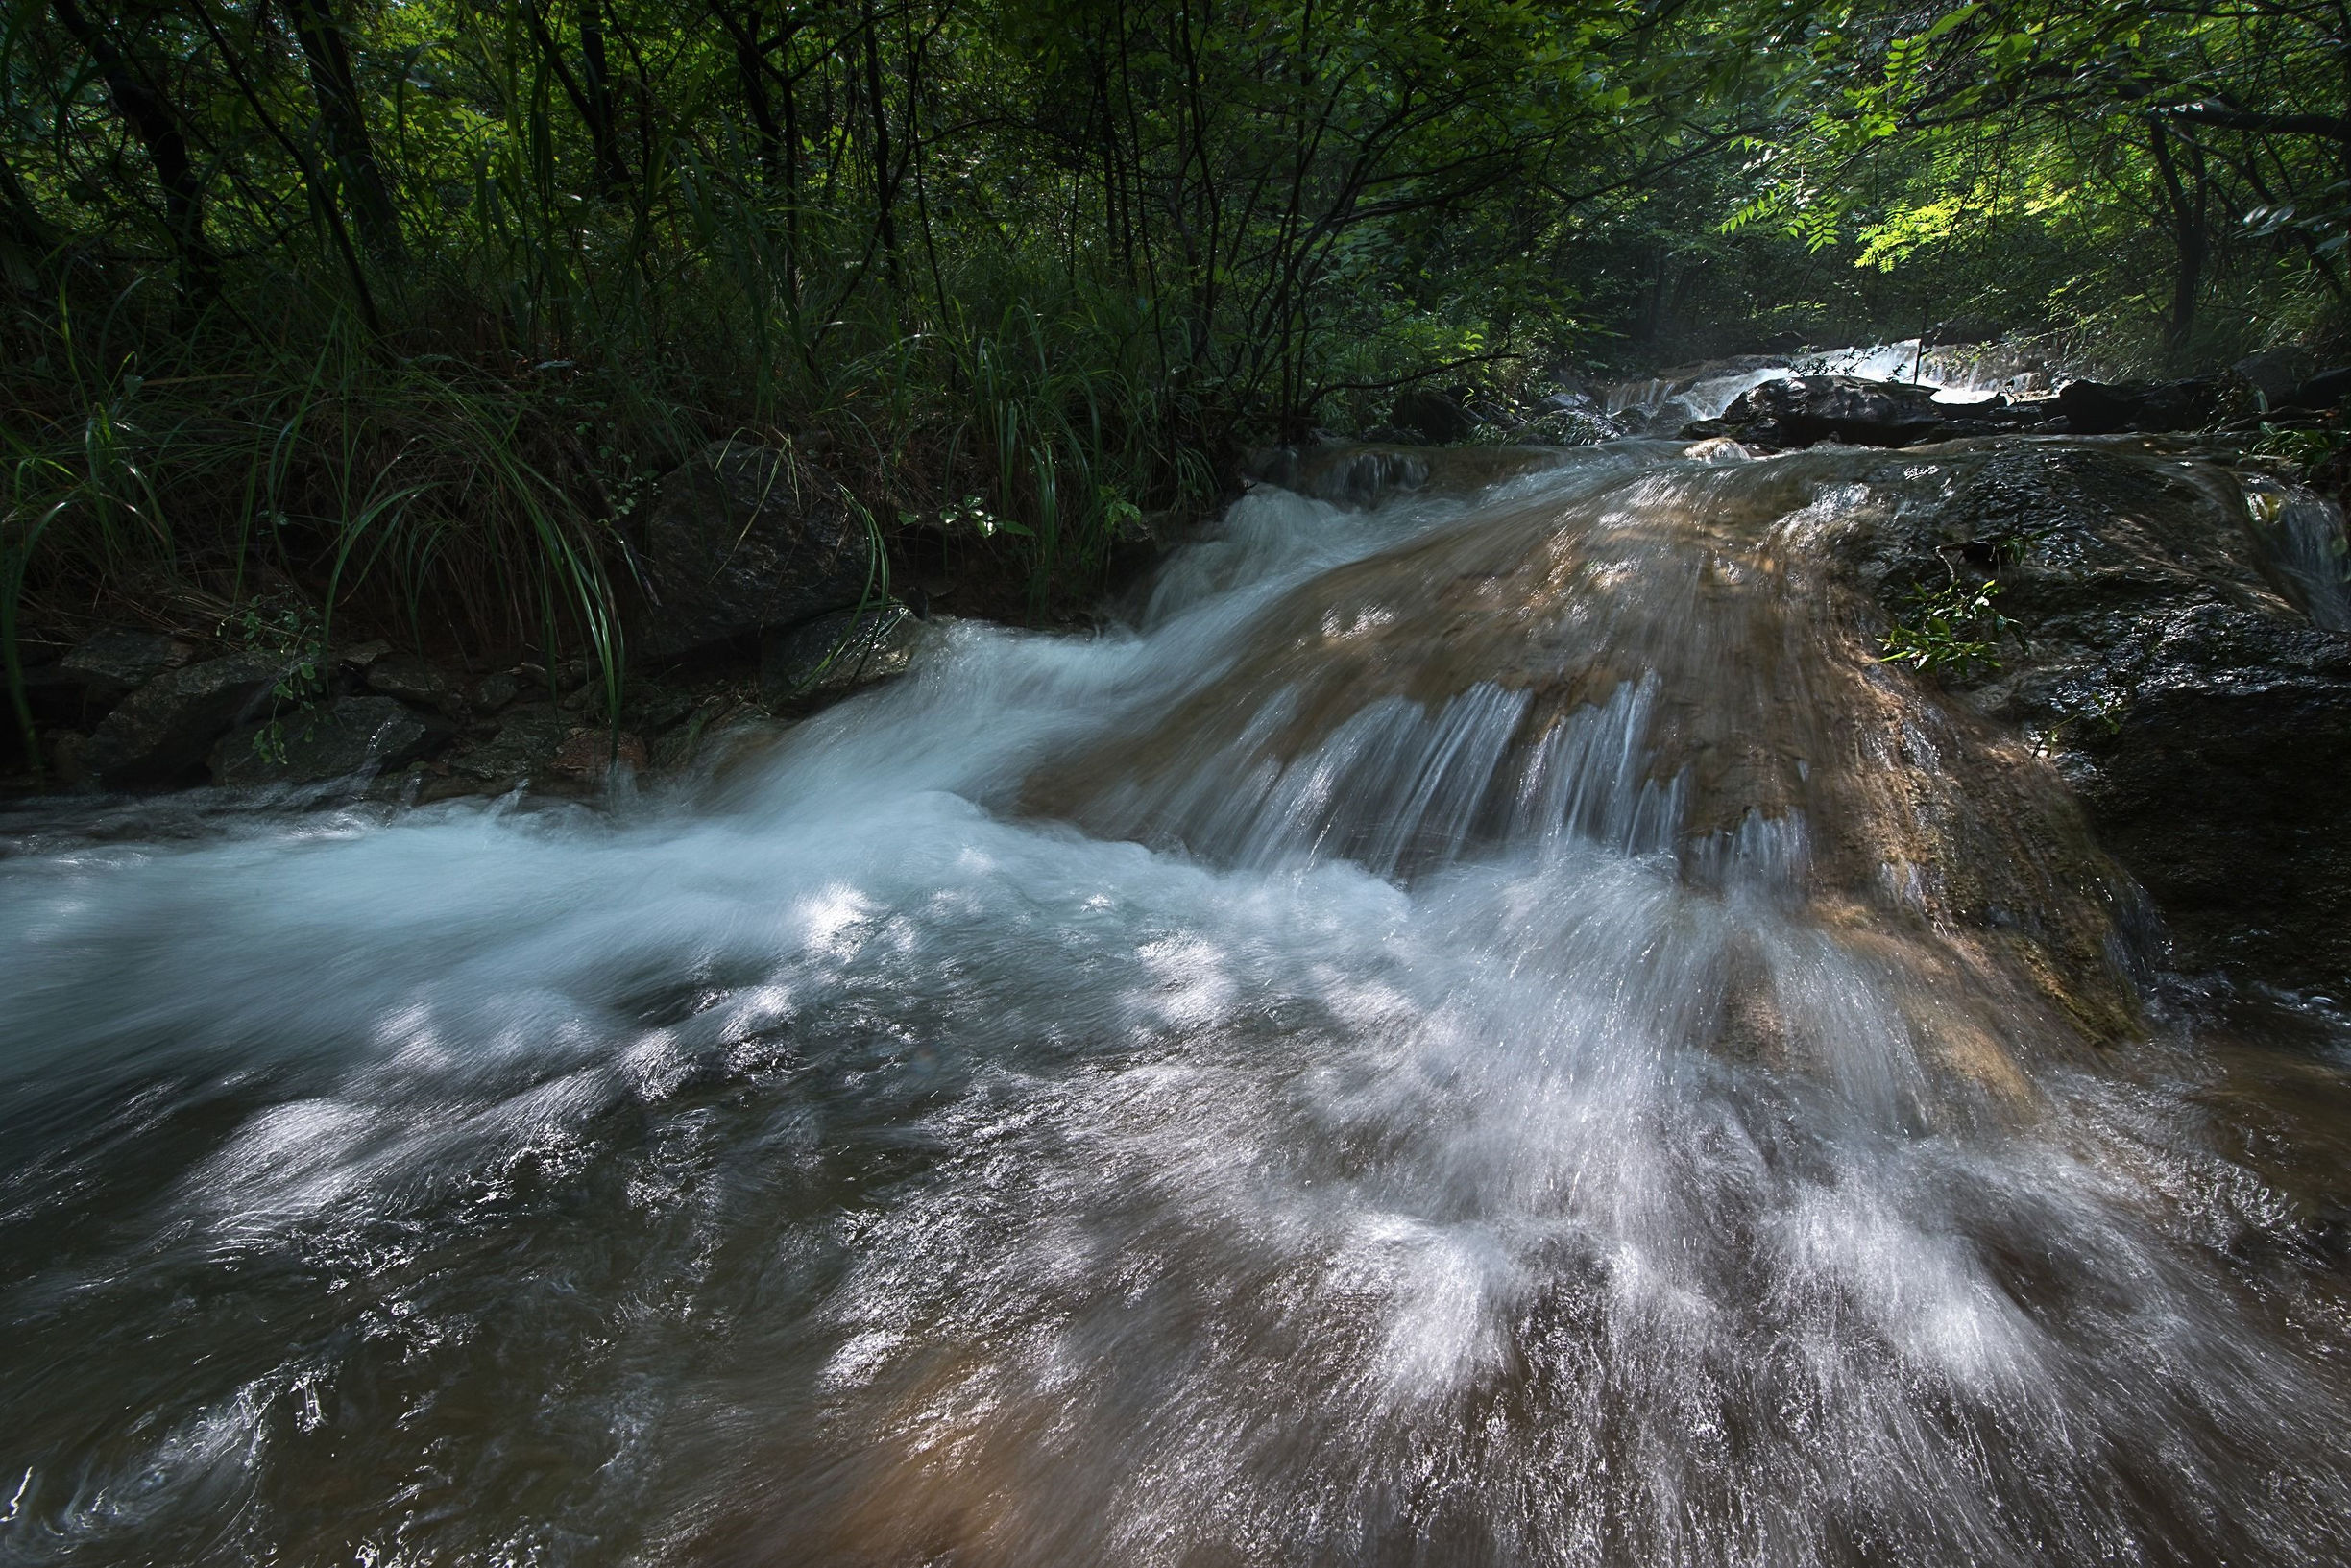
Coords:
pixel 2188 237
pixel 157 128
pixel 344 120
pixel 596 87
pixel 886 185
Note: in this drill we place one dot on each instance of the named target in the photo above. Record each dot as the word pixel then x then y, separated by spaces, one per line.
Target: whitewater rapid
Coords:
pixel 1014 1121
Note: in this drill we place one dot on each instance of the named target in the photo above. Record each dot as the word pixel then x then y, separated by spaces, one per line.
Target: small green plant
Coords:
pixel 1952 629
pixel 290 630
pixel 2311 448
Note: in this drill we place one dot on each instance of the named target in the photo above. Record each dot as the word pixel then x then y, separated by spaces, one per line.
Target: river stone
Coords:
pixel 160 733
pixel 2160 655
pixel 2329 389
pixel 527 736
pixel 834 655
pixel 589 754
pixel 334 740
pixel 1431 417
pixel 2274 373
pixel 2096 408
pixel 416 681
pixel 111 662
pixel 1803 410
pixel 742 538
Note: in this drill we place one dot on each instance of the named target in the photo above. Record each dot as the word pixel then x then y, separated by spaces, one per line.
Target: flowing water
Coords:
pixel 1958 375
pixel 1485 1029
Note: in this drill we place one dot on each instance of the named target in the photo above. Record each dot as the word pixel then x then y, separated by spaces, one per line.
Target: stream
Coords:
pixel 1457 1037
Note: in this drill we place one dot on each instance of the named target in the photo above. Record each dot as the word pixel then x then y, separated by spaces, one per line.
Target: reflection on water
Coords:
pixel 1469 1037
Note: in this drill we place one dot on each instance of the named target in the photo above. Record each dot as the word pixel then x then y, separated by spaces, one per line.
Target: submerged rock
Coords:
pixel 1662 661
pixel 742 538
pixel 1721 629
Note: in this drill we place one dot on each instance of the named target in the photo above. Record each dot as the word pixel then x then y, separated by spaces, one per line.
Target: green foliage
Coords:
pixel 1947 629
pixel 289 630
pixel 2167 181
pixel 2310 447
pixel 403 307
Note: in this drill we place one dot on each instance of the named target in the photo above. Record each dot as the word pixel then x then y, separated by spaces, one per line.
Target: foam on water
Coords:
pixel 1431 1147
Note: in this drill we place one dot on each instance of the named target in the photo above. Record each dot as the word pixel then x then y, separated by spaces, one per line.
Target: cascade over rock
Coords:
pixel 2181 646
pixel 1490 1023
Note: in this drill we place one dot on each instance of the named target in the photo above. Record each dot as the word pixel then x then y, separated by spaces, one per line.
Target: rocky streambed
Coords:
pixel 1564 1006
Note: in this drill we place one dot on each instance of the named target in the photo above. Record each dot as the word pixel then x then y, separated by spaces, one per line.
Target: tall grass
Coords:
pixel 468 479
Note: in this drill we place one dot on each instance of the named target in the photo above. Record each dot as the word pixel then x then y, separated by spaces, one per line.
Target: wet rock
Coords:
pixel 1431 417
pixel 2327 389
pixel 834 655
pixel 110 663
pixel 2096 408
pixel 590 755
pixel 2159 654
pixel 1800 411
pixel 68 758
pixel 522 746
pixel 651 710
pixel 2274 373
pixel 413 679
pixel 338 739
pixel 160 733
pixel 495 690
pixel 743 538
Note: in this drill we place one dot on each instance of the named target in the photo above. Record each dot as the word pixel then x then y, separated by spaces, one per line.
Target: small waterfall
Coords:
pixel 2300 536
pixel 1487 1027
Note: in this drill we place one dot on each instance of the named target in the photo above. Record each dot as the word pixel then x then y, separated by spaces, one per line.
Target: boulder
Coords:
pixel 834 655
pixel 55 697
pixel 413 679
pixel 1431 417
pixel 111 662
pixel 2274 373
pixel 523 743
pixel 2328 389
pixel 741 537
pixel 159 734
pixel 588 755
pixel 2158 654
pixel 2097 408
pixel 338 739
pixel 1800 411
pixel 495 690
